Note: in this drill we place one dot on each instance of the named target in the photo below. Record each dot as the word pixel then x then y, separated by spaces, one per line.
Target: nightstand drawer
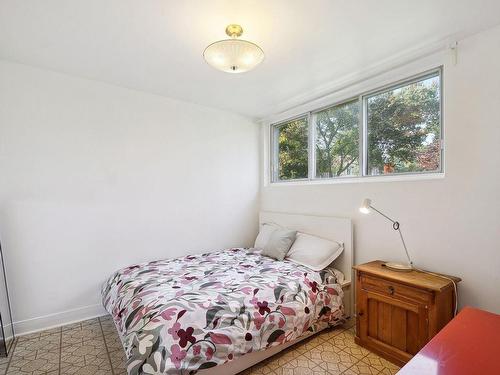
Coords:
pixel 394 290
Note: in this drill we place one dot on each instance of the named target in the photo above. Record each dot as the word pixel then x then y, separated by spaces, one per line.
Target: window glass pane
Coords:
pixel 292 149
pixel 404 129
pixel 337 140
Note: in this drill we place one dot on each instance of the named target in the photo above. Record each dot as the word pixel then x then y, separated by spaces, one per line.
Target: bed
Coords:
pixel 223 311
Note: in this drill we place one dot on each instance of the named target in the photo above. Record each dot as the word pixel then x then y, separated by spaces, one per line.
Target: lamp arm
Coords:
pixel 384 215
pixel 404 245
pixel 395 226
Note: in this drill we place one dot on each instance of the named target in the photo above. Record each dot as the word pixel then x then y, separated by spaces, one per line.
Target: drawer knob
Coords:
pixel 360 313
pixel 390 289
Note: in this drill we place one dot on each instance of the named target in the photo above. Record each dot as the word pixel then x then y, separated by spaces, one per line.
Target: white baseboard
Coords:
pixel 41 323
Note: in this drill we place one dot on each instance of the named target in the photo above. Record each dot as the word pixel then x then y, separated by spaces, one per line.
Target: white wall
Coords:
pixel 95 177
pixel 451 225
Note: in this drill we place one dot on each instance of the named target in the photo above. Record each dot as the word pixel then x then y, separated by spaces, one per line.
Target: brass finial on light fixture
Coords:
pixel 234 31
pixel 233 55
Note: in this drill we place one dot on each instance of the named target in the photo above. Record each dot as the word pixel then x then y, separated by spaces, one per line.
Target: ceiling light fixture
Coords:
pixel 233 55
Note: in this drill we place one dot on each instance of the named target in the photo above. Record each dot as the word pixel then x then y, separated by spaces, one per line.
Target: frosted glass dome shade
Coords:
pixel 233 55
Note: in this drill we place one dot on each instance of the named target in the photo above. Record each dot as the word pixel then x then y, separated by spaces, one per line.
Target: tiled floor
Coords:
pixel 92 347
pixel 331 351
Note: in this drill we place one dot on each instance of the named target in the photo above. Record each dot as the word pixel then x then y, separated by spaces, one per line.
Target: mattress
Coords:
pixel 196 312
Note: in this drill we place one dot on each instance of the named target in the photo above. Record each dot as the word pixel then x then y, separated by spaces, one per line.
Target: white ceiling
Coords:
pixel 156 45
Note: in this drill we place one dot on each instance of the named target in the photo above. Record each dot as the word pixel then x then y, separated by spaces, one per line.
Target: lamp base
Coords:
pixel 400 267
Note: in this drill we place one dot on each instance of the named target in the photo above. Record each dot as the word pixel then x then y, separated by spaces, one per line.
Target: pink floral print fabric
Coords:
pixel 181 315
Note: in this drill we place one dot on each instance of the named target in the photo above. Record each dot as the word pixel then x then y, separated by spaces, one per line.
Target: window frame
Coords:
pixel 394 86
pixel 362 99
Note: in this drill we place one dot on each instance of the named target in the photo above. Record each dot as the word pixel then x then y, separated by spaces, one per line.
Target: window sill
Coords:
pixel 360 180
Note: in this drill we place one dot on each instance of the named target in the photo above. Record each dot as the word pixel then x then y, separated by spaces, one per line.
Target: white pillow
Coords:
pixel 264 235
pixel 314 252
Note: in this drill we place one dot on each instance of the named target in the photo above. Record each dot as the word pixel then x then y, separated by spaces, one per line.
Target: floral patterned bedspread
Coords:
pixel 180 315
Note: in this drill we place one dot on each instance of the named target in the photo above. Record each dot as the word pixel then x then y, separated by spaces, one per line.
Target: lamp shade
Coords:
pixel 365 206
pixel 233 55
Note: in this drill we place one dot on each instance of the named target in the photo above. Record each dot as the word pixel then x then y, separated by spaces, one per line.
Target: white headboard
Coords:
pixel 328 227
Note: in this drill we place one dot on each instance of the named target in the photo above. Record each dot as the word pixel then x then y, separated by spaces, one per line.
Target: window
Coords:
pixel 337 140
pixel 394 130
pixel 291 143
pixel 404 128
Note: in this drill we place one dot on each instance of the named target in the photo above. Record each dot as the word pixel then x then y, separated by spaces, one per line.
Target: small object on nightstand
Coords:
pixel 399 312
pixel 365 208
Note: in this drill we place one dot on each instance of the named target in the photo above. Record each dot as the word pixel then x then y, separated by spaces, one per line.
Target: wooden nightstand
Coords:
pixel 399 312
